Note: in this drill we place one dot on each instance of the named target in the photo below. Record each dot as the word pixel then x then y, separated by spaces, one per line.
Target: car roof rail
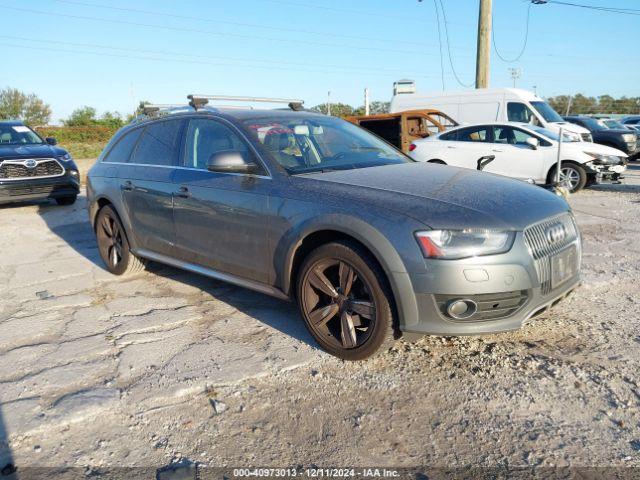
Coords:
pixel 153 110
pixel 199 101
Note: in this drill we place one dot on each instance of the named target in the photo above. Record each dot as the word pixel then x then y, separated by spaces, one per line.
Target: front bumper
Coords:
pixel 36 189
pixel 607 173
pixel 506 287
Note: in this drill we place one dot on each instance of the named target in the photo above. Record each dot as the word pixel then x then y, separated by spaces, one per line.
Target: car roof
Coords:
pixel 492 124
pixel 11 123
pixel 239 114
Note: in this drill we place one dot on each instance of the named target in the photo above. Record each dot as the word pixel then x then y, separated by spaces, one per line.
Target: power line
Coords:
pixel 524 45
pixel 446 30
pixel 435 4
pixel 207 57
pixel 206 32
pixel 228 22
pixel 620 10
pixel 185 61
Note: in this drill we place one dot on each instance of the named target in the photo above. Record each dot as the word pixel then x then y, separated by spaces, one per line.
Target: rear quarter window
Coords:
pixel 121 151
pixel 159 144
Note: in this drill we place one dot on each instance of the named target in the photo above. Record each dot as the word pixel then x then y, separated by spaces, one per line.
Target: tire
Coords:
pixel 114 246
pixel 69 200
pixel 439 162
pixel 577 175
pixel 351 326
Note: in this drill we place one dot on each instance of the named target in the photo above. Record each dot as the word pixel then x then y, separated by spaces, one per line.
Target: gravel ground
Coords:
pixel 169 367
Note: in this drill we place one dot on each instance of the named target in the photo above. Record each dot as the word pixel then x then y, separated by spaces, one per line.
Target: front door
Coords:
pixel 515 157
pixel 221 218
pixel 147 186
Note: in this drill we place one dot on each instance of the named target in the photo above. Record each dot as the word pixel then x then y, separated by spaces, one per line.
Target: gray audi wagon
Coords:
pixel 372 245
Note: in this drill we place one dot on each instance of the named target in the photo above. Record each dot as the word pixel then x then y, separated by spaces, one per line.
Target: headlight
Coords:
pixel 66 157
pixel 600 159
pixel 628 137
pixel 571 137
pixel 454 244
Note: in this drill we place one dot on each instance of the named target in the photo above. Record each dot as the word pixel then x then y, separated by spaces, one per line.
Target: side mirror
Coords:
pixel 51 141
pixel 534 143
pixel 230 161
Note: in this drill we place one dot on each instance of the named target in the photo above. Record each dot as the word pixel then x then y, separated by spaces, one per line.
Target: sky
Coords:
pixel 111 54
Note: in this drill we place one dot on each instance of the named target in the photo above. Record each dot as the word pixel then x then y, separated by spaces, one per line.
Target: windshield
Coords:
pixel 18 135
pixel 545 132
pixel 614 124
pixel 593 124
pixel 312 144
pixel 547 112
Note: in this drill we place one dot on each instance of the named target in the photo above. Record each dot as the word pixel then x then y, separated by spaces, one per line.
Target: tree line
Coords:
pixel 31 109
pixel 604 104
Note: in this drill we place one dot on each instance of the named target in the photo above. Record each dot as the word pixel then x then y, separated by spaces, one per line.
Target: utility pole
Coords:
pixel 484 44
pixel 367 109
pixel 329 102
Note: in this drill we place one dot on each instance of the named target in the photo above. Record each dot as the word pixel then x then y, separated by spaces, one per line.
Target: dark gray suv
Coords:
pixel 298 205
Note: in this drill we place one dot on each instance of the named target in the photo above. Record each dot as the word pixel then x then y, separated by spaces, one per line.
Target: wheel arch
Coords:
pixel 551 171
pixel 369 238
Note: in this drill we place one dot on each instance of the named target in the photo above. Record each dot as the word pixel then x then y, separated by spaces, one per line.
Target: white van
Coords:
pixel 487 105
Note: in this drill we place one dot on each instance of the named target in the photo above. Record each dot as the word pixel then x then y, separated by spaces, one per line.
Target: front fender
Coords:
pixel 377 243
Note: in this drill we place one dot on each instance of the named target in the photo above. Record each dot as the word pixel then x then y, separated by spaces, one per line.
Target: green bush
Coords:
pixel 81 142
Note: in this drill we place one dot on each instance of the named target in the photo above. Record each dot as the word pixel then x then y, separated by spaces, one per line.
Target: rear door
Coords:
pixel 147 185
pixel 221 218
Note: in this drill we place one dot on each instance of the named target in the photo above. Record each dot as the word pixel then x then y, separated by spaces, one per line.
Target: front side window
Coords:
pixel 473 134
pixel 121 151
pixel 207 137
pixel 511 136
pixel 521 113
pixel 18 135
pixel 159 144
pixel 305 144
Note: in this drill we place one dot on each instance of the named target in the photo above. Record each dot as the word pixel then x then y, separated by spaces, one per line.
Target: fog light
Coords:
pixel 462 309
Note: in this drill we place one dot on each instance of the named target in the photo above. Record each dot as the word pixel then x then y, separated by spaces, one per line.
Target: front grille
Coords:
pixel 491 306
pixel 20 169
pixel 586 137
pixel 544 244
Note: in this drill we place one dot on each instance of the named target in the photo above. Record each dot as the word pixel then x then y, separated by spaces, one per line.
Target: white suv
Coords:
pixel 523 151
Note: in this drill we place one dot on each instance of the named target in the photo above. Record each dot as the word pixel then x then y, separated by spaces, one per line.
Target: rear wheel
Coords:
pixel 345 302
pixel 572 176
pixel 113 244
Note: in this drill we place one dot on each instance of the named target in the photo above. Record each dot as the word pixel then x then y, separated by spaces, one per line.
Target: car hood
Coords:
pixel 571 127
pixel 594 148
pixel 440 196
pixel 29 151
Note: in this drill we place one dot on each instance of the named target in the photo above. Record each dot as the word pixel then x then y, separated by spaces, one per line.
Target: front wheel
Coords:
pixel 345 301
pixel 113 244
pixel 572 176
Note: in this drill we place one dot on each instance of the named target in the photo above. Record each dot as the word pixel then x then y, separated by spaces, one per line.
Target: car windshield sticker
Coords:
pixel 21 129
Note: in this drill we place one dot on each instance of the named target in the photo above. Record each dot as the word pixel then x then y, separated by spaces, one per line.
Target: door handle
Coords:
pixel 450 146
pixel 498 151
pixel 127 186
pixel 183 192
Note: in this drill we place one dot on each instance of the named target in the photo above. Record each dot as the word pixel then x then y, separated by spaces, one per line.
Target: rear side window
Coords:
pixel 121 151
pixel 473 134
pixel 159 144
pixel 451 136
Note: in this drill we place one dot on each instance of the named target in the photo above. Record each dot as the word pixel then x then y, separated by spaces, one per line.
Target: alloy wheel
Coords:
pixel 110 240
pixel 569 177
pixel 338 303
